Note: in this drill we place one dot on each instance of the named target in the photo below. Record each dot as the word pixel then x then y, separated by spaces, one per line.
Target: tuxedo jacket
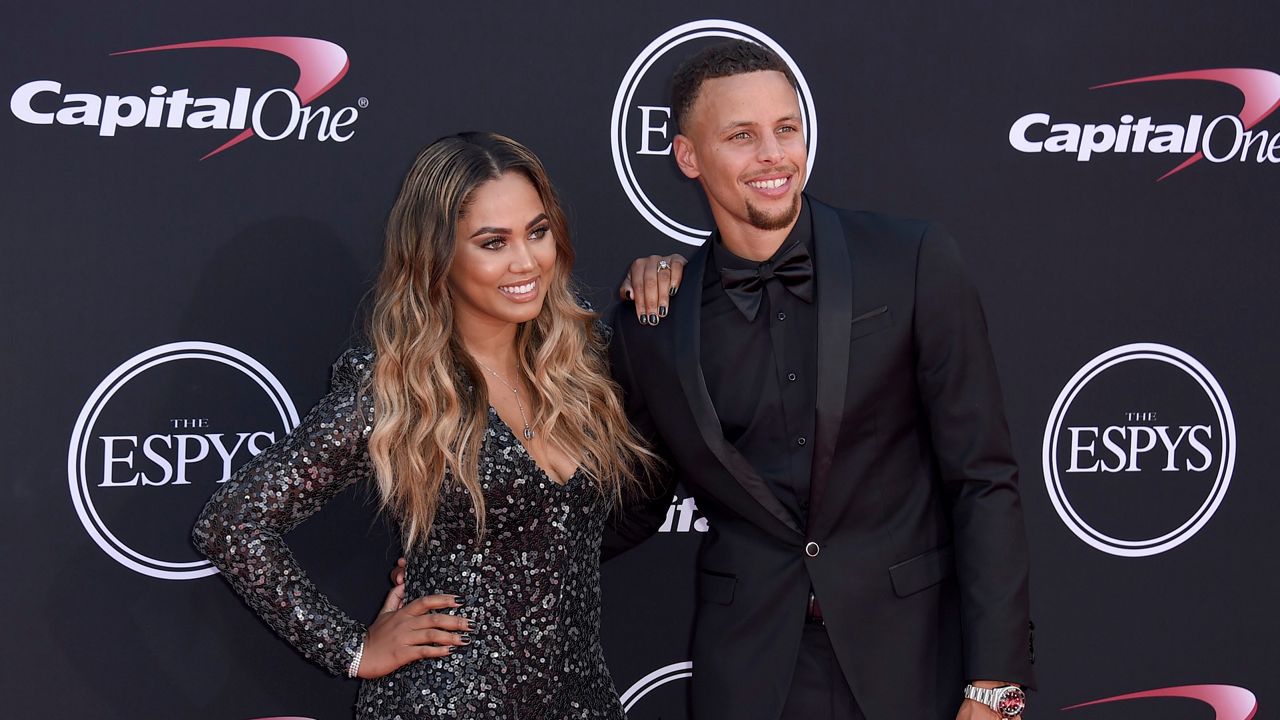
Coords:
pixel 914 545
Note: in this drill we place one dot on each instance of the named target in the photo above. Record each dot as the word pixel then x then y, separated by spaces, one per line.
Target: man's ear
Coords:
pixel 686 156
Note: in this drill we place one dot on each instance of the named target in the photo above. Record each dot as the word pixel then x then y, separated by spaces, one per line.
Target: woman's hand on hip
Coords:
pixel 415 631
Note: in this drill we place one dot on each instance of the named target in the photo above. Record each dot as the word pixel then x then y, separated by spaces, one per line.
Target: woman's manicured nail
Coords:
pixel 662 311
pixel 465 639
pixel 644 319
pixel 653 319
pixel 673 289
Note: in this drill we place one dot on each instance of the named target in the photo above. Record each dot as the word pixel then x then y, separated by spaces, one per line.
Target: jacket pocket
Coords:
pixel 716 587
pixel 869 322
pixel 924 570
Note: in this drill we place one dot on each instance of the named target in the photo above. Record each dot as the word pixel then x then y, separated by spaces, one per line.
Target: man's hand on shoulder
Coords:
pixel 650 284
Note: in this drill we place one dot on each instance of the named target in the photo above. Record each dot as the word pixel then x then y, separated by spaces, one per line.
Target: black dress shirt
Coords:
pixel 762 374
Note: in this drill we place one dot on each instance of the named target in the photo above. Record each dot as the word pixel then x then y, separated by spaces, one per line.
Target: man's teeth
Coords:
pixel 768 184
pixel 519 289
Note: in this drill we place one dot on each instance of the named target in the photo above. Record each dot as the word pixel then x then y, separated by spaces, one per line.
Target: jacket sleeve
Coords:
pixel 956 376
pixel 241 528
pixel 643 511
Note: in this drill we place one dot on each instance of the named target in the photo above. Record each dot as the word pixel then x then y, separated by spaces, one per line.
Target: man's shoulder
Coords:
pixel 870 224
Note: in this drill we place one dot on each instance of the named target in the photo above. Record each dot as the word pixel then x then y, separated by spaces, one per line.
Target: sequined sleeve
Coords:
pixel 241 529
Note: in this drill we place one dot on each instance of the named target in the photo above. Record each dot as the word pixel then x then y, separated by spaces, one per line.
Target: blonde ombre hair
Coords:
pixel 430 401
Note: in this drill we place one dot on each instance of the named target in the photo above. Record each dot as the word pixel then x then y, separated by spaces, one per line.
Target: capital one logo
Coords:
pixel 1229 702
pixel 1139 450
pixel 157 437
pixel 275 114
pixel 1219 139
pixel 642 127
pixel 683 516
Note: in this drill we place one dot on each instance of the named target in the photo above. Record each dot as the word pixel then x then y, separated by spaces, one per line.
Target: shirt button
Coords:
pixel 791 377
pixel 801 441
pixel 782 316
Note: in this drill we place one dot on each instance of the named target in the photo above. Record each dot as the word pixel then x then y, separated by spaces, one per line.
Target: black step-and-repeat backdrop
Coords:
pixel 193 199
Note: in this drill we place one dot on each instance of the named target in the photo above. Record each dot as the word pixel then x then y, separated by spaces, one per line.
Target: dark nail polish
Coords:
pixel 465 639
pixel 449 650
pixel 644 319
pixel 673 290
pixel 460 599
pixel 662 311
pixel 653 319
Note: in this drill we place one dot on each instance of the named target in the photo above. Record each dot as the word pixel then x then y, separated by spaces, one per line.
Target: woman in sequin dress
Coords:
pixel 484 413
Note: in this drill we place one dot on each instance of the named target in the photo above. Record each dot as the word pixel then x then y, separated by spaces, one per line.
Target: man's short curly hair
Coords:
pixel 723 60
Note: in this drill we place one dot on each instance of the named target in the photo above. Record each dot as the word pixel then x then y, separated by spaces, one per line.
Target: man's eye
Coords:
pixel 741 136
pixel 787 129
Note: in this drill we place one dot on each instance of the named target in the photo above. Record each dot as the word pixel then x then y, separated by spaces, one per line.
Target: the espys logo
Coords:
pixel 1229 702
pixel 275 114
pixel 641 128
pixel 154 440
pixel 1220 139
pixel 671 698
pixel 1139 450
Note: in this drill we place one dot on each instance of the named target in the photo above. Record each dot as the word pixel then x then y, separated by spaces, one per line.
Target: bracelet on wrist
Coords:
pixel 353 668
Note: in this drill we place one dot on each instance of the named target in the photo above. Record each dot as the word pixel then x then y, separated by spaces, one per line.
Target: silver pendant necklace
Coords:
pixel 528 431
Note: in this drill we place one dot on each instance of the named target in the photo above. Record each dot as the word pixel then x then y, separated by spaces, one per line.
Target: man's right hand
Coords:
pixel 404 633
pixel 650 283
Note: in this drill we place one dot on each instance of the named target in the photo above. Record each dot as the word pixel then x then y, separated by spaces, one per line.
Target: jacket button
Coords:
pixel 811 549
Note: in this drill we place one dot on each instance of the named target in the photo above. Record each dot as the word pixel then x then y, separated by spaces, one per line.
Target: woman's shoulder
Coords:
pixel 352 368
pixel 600 326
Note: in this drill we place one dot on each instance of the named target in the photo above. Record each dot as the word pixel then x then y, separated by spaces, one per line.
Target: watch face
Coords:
pixel 1011 702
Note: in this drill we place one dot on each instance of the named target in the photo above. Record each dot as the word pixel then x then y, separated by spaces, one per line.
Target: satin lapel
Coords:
pixel 687 316
pixel 834 276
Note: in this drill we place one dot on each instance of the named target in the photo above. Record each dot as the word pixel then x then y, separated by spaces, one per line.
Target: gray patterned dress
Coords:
pixel 532 587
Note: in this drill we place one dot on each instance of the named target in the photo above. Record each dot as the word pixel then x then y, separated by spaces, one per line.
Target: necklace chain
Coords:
pixel 528 431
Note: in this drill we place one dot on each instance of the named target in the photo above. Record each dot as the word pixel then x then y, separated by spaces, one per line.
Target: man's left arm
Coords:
pixel 956 375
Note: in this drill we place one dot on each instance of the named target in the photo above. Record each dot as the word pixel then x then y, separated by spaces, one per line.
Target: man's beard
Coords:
pixel 761 220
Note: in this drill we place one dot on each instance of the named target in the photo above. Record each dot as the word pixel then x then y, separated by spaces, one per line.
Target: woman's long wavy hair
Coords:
pixel 430 400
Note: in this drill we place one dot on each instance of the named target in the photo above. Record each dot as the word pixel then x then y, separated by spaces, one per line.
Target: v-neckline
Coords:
pixel 493 412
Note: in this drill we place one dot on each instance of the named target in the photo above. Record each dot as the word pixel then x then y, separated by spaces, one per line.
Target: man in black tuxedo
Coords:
pixel 825 387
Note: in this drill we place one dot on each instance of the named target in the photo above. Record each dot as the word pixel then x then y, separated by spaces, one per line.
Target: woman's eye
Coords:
pixel 540 232
pixel 493 243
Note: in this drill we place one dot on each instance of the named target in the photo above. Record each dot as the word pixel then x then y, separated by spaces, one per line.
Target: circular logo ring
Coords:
pixel 1226 422
pixel 653 681
pixel 622 108
pixel 80 437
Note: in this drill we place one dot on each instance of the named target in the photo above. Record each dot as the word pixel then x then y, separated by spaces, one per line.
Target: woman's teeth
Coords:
pixel 519 289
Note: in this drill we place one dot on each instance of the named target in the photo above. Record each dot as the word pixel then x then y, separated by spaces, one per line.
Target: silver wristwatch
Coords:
pixel 1007 700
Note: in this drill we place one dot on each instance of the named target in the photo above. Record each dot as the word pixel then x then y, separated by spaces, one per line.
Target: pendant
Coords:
pixel 528 433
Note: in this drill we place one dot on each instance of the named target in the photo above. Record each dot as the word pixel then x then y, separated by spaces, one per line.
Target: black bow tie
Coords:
pixel 794 269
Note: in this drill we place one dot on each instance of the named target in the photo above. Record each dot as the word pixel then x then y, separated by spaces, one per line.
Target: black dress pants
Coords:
pixel 818 689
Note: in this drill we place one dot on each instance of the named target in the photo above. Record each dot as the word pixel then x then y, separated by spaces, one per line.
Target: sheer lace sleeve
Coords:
pixel 241 529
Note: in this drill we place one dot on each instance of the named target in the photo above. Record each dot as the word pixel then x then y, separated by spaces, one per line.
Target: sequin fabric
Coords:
pixel 532 586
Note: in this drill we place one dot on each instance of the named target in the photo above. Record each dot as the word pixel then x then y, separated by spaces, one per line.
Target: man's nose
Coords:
pixel 770 149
